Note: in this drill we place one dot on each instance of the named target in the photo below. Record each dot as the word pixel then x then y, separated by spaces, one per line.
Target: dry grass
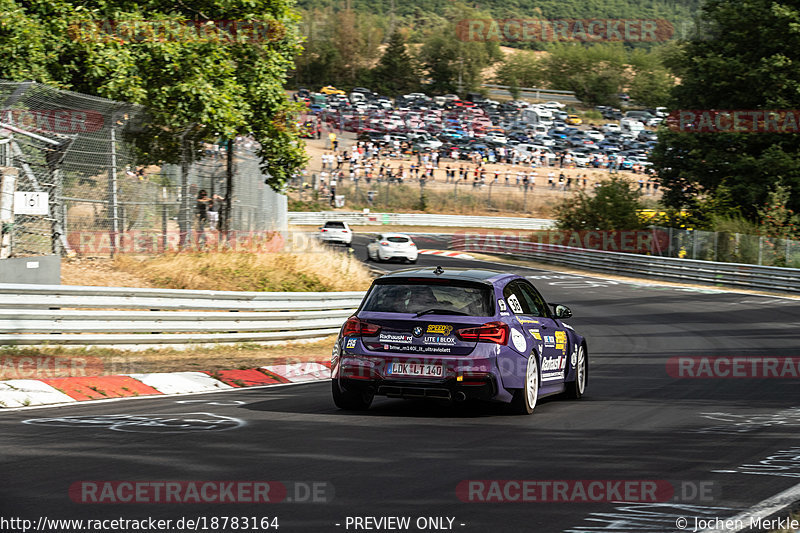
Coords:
pixel 319 269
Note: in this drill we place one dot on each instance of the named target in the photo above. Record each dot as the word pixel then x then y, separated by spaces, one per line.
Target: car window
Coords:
pixel 515 300
pixel 523 299
pixel 535 300
pixel 406 296
pixel 336 225
pixel 397 239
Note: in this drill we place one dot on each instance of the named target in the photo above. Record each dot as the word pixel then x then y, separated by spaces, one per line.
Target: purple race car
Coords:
pixel 457 334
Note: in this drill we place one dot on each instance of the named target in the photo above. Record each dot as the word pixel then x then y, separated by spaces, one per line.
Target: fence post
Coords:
pixel 760 248
pixel 112 191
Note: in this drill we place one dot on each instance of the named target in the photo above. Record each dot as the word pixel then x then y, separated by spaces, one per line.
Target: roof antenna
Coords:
pixel 438 270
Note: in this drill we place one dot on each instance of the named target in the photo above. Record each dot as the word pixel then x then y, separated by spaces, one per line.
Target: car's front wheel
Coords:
pixel 576 389
pixel 350 400
pixel 524 400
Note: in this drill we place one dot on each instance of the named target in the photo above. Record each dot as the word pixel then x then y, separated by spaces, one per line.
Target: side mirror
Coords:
pixel 562 311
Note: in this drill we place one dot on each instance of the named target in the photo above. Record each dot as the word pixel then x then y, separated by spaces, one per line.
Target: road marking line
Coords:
pixel 761 510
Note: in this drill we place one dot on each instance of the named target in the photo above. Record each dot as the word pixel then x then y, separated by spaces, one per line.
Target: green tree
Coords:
pixel 521 69
pixel 396 72
pixel 777 220
pixel 753 62
pixel 614 206
pixel 596 73
pixel 222 84
pixel 450 62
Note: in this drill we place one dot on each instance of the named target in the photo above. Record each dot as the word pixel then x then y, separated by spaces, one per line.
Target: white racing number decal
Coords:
pixel 501 304
pixel 574 359
pixel 514 304
pixel 518 340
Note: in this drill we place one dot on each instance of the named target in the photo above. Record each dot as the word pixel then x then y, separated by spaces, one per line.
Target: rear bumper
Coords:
pixel 449 389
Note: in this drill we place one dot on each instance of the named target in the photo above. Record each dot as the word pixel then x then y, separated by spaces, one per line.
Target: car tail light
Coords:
pixel 384 243
pixel 344 231
pixel 324 230
pixel 496 332
pixel 357 327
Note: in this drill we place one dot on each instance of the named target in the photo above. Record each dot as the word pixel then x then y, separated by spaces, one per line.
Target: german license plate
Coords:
pixel 415 369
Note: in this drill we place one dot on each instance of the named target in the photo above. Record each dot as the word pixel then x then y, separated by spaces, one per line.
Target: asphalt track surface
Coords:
pixel 406 458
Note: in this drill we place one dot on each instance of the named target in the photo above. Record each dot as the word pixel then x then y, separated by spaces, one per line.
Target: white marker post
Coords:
pixel 8 185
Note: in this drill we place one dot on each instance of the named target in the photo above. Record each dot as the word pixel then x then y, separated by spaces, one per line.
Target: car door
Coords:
pixel 530 311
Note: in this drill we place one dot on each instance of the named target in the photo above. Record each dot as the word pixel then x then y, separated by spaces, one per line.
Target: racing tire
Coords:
pixel 576 389
pixel 350 400
pixel 524 400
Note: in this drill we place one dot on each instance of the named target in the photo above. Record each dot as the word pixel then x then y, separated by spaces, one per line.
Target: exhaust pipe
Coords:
pixel 460 396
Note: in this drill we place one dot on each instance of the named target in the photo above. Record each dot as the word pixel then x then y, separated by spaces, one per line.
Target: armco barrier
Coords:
pixel 666 268
pixel 418 219
pixel 77 315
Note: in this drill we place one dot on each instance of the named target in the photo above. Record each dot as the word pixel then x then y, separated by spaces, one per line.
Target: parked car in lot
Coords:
pixel 330 89
pixel 611 127
pixel 336 231
pixel 388 246
pixel 455 334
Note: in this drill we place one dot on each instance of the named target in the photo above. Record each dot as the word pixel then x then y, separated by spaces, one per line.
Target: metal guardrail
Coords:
pixel 535 92
pixel 419 219
pixel 77 315
pixel 667 268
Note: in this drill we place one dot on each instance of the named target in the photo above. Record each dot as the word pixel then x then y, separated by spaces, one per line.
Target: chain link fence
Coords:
pixel 78 149
pixel 730 247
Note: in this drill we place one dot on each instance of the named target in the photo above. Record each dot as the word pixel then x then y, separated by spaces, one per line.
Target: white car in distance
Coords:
pixel 388 246
pixel 336 232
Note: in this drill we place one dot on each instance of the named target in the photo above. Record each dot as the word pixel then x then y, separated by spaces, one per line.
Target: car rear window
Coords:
pixel 339 225
pixel 397 239
pixel 417 296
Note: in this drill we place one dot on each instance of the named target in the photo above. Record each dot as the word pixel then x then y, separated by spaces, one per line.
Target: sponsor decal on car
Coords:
pixel 439 339
pixel 417 331
pixel 444 329
pixel 518 340
pixel 418 349
pixel 527 321
pixel 574 359
pixel 403 338
pixel 351 342
pixel 549 341
pixel 561 341
pixel 553 368
pixel 501 304
pixel 536 334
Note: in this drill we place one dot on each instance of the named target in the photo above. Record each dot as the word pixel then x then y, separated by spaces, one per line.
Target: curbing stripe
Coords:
pixel 181 382
pixel 25 392
pixel 22 393
pixel 301 372
pixel 97 387
pixel 445 253
pixel 245 378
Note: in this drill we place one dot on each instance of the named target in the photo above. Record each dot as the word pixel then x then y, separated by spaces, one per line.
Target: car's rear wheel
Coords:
pixel 350 400
pixel 576 389
pixel 524 400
